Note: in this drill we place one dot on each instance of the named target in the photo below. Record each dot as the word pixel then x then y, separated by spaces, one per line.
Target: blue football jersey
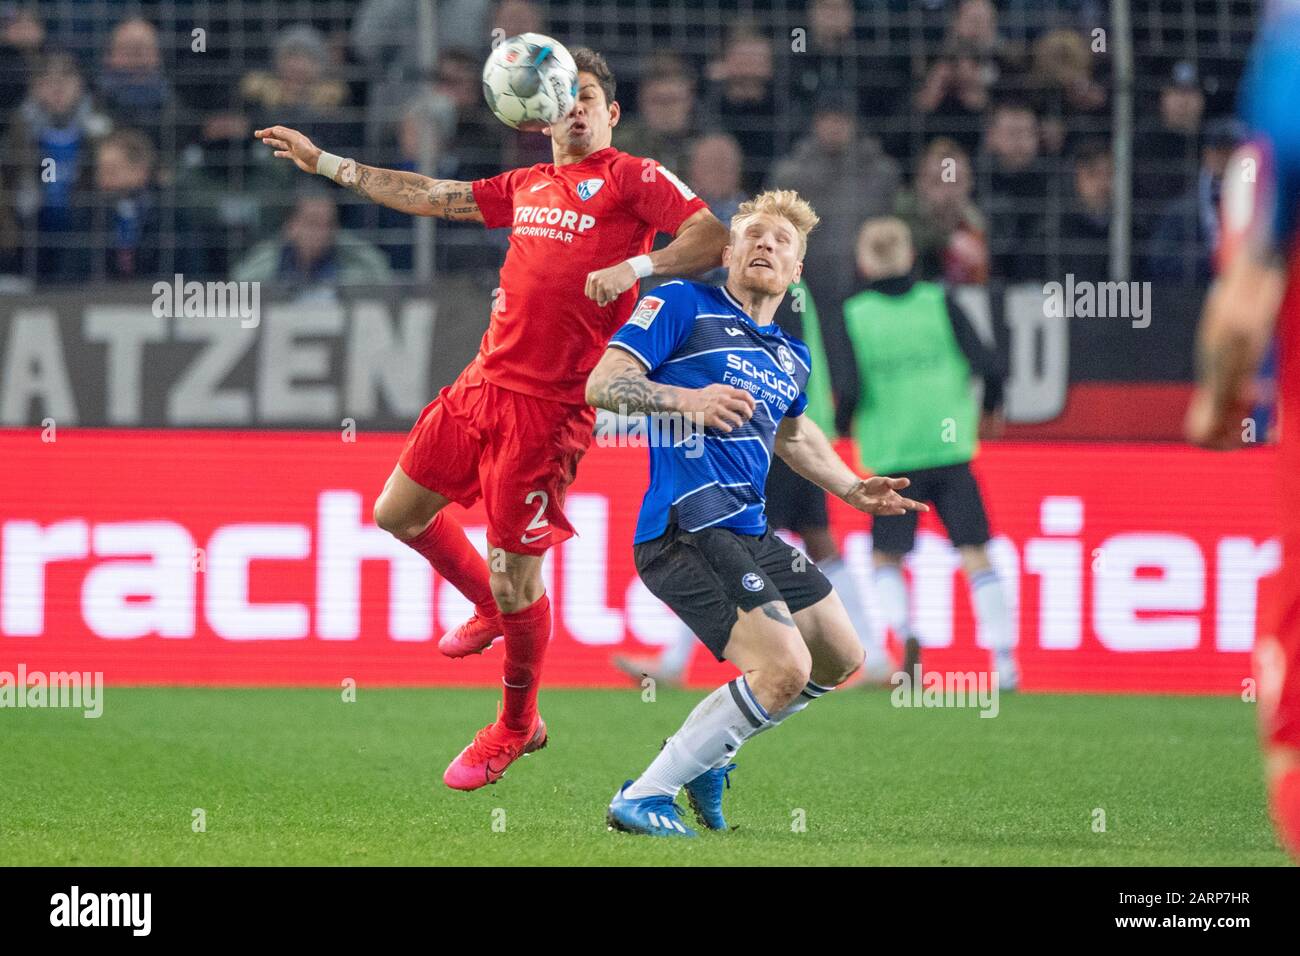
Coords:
pixel 1269 107
pixel 693 335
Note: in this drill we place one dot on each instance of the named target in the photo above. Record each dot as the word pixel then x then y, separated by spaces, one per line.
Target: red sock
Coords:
pixel 1286 810
pixel 445 546
pixel 527 634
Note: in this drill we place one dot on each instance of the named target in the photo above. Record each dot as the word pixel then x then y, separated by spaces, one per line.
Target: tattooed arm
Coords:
pixel 403 191
pixel 619 384
pixel 411 192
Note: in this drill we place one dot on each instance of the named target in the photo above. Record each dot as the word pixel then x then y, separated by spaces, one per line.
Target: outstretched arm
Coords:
pixel 406 192
pixel 696 248
pixel 803 446
pixel 1239 316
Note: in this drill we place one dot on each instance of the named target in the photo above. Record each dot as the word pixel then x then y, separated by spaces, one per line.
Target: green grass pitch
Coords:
pixel 300 777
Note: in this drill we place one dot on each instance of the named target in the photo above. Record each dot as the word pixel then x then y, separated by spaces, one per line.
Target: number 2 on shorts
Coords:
pixel 539 520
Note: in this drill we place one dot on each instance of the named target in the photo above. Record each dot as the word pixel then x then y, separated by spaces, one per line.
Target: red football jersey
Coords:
pixel 545 336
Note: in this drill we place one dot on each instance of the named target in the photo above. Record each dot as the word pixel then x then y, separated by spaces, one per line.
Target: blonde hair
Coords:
pixel 784 203
pixel 885 247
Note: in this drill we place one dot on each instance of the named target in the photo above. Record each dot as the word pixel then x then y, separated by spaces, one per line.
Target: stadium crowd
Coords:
pixel 126 149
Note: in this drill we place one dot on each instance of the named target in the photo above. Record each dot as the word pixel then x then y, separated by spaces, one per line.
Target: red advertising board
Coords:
pixel 197 557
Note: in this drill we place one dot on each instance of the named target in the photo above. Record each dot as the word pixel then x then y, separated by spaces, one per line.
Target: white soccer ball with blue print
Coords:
pixel 530 81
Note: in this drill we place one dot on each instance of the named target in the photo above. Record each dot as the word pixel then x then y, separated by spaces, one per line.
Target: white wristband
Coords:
pixel 642 266
pixel 328 165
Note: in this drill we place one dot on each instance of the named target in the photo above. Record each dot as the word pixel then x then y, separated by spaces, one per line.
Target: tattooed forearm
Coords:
pixel 454 200
pixel 416 194
pixel 630 393
pixel 618 383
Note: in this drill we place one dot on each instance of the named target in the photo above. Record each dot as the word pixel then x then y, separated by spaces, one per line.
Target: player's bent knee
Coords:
pixel 516 588
pixel 386 517
pixel 503 589
pixel 782 680
pixel 396 522
pixel 848 666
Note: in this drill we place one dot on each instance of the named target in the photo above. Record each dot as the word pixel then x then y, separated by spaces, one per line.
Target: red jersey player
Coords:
pixel 512 428
pixel 1258 289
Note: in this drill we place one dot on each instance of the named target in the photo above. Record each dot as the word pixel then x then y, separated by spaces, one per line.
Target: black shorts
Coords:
pixel 708 576
pixel 956 497
pixel 793 502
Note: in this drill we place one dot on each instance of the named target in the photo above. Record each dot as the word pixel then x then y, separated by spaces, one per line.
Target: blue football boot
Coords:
pixel 653 816
pixel 705 796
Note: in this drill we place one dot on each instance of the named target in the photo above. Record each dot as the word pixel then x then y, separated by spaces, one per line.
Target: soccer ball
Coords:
pixel 530 81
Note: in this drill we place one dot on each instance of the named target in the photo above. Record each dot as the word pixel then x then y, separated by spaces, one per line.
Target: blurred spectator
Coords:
pixel 424 134
pixel 131 84
pixel 1012 190
pixel 955 93
pixel 49 142
pixel 713 170
pixel 664 118
pixel 383 37
pixel 1182 244
pixel 974 25
pixel 1070 100
pixel 478 140
pixel 1024 20
pixel 513 17
pixel 830 61
pixel 124 217
pixel 847 178
pixel 230 190
pixel 311 251
pixel 1085 227
pixel 300 92
pixel 740 100
pixel 431 114
pixel 1166 149
pixel 948 231
pixel 21 36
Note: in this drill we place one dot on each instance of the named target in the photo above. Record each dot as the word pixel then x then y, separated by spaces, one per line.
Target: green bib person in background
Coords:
pixel 910 408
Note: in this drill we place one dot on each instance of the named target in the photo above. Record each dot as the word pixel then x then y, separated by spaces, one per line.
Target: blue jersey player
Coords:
pixel 711 361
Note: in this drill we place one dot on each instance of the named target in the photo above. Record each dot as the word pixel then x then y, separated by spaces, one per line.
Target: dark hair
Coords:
pixel 135 146
pixel 589 61
pixel 1090 150
pixel 56 60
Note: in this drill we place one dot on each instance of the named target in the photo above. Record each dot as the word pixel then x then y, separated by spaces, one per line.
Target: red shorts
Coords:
pixel 516 452
pixel 1277 653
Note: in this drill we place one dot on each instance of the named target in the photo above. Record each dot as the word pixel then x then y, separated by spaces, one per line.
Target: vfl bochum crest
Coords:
pixel 588 188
